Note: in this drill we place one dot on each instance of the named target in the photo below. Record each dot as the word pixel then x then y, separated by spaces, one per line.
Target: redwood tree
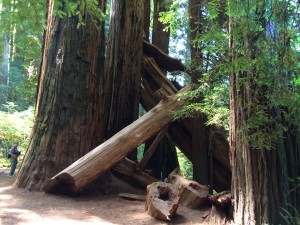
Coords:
pixel 67 121
pixel 200 130
pixel 262 135
pixel 123 65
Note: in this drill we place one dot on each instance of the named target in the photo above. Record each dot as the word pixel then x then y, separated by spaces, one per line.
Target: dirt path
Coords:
pixel 19 207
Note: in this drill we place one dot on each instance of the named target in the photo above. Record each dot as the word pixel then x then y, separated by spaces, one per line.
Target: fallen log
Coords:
pixel 192 194
pixel 82 172
pixel 128 168
pixel 162 200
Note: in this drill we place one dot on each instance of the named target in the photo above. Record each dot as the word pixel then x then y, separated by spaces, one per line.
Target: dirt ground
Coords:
pixel 20 206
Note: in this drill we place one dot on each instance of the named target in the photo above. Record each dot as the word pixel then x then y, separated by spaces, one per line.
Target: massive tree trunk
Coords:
pixel 123 65
pixel 259 175
pixel 199 134
pixel 67 121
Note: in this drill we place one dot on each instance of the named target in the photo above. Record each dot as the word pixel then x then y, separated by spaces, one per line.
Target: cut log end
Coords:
pixel 162 200
pixel 192 194
pixel 61 184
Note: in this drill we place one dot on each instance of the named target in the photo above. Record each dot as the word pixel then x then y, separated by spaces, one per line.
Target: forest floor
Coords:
pixel 20 206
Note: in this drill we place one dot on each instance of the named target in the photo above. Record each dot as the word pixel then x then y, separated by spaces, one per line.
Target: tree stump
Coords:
pixel 162 200
pixel 192 194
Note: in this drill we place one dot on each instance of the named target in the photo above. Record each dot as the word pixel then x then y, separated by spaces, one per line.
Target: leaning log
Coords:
pixel 82 172
pixel 162 200
pixel 155 85
pixel 128 169
pixel 192 194
pixel 164 61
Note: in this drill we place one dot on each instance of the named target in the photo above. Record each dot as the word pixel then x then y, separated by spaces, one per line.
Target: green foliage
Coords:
pixel 140 152
pixel 15 126
pixel 265 66
pixel 176 19
pixel 24 23
pixel 186 167
pixel 268 70
pixel 80 9
pixel 290 216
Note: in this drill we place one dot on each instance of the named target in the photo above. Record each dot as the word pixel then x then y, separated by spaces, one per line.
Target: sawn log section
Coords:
pixel 82 172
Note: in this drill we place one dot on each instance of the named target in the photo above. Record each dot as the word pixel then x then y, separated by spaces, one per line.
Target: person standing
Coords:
pixel 14 153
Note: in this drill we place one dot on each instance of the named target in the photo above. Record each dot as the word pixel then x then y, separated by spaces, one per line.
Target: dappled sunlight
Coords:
pixel 17 209
pixel 20 216
pixel 5 197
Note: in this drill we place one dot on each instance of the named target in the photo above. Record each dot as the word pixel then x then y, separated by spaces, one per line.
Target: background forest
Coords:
pixel 243 57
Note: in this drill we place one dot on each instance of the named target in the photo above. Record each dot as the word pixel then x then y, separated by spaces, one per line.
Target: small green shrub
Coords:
pixel 15 126
pixel 186 167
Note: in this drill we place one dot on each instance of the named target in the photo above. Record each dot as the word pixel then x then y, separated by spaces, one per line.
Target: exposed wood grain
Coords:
pixel 162 200
pixel 192 194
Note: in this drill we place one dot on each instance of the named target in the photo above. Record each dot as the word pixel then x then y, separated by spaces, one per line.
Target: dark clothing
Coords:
pixel 13 160
pixel 13 165
pixel 14 150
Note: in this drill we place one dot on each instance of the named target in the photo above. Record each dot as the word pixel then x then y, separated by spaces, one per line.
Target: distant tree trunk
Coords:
pixel 123 65
pixel 147 13
pixel 67 121
pixel 199 137
pixel 4 70
pixel 6 7
pixel 160 37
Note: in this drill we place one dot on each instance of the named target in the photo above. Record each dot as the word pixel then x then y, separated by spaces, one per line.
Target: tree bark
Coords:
pixel 163 60
pixel 199 133
pixel 123 65
pixel 4 69
pixel 161 34
pixel 147 19
pixel 67 121
pixel 77 176
pixel 259 175
pixel 164 160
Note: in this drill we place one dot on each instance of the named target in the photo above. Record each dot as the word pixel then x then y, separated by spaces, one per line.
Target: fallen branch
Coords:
pixel 133 196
